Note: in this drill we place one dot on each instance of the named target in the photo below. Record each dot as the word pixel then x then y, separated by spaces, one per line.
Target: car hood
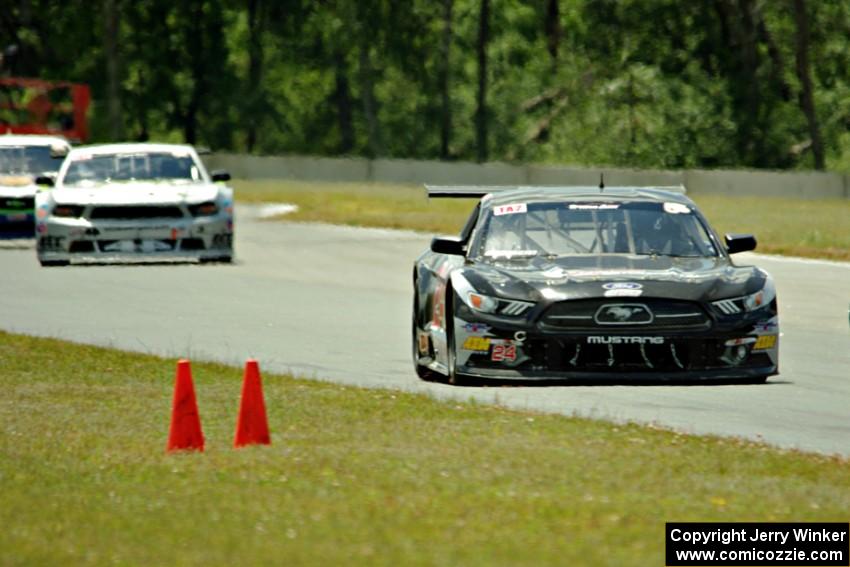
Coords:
pixel 17 186
pixel 691 279
pixel 135 194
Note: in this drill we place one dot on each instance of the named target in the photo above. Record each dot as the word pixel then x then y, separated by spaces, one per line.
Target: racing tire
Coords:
pixel 53 263
pixel 421 371
pixel 218 260
pixel 452 375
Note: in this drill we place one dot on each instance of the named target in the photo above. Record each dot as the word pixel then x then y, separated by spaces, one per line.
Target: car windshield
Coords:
pixel 27 160
pixel 87 169
pixel 554 229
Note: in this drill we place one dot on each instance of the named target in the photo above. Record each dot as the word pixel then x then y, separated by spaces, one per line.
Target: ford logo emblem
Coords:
pixel 622 285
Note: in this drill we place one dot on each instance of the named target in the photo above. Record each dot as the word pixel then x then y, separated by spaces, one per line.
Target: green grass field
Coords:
pixel 354 476
pixel 811 228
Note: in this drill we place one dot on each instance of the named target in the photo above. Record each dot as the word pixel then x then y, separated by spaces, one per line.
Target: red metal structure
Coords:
pixel 34 106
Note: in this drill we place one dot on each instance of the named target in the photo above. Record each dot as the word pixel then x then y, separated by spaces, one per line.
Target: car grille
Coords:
pixel 579 356
pixel 666 355
pixel 136 212
pixel 17 203
pixel 624 313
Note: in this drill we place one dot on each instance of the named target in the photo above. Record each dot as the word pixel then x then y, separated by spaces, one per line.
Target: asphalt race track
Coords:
pixel 334 303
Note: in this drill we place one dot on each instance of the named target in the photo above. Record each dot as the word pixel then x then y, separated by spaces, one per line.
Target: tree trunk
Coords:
pixel 481 110
pixel 342 99
pixel 256 22
pixel 552 28
pixel 198 72
pixel 445 69
pixel 113 81
pixel 370 110
pixel 807 102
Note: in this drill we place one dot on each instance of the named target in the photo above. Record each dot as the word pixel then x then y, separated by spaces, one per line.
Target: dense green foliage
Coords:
pixel 652 83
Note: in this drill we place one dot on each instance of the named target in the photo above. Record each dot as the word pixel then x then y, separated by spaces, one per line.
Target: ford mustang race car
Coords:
pixel 124 202
pixel 590 283
pixel 22 159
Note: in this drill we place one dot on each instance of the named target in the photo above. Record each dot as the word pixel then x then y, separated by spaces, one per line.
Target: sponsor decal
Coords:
pixel 623 314
pixel 740 341
pixel 602 340
pixel 520 336
pixel 623 293
pixel 765 327
pixel 510 209
pixel 439 305
pixel 765 342
pixel 423 343
pixel 476 328
pixel 676 208
pixel 42 212
pixel 503 353
pixel 594 207
pixel 477 344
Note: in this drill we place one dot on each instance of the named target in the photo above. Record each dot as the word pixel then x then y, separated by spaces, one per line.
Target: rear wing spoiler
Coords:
pixel 465 191
pixel 478 191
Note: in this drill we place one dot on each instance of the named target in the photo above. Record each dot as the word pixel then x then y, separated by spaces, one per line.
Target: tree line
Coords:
pixel 644 83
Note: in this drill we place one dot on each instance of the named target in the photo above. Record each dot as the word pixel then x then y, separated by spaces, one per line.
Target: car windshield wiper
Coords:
pixel 511 254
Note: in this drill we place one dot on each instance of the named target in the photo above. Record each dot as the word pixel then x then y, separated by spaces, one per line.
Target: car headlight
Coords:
pixel 486 304
pixel 481 302
pixel 68 211
pixel 758 300
pixel 204 209
pixel 761 298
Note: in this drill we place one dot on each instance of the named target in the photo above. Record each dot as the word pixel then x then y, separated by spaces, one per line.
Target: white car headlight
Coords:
pixel 761 298
pixel 486 304
pixel 480 302
pixel 758 300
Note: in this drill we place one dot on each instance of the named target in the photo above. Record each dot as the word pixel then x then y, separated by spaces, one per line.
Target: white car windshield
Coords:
pixel 87 169
pixel 27 160
pixel 523 230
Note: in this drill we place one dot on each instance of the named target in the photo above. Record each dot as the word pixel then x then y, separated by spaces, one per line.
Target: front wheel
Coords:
pixel 217 260
pixel 421 371
pixel 451 349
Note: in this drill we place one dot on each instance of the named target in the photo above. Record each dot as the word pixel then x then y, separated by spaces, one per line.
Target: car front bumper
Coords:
pixel 82 240
pixel 17 224
pixel 725 351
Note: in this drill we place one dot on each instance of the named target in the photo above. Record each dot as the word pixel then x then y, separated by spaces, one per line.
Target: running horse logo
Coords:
pixel 622 313
pixel 627 314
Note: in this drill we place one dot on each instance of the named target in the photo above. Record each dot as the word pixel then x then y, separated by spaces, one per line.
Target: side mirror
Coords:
pixel 452 245
pixel 44 181
pixel 220 175
pixel 740 243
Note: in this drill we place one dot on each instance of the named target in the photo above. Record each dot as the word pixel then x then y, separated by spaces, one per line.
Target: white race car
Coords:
pixel 22 159
pixel 128 202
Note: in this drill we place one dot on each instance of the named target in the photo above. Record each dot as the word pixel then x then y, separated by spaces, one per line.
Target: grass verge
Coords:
pixel 354 476
pixel 810 228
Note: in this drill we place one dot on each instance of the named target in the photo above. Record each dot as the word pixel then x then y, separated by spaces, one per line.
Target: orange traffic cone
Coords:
pixel 252 427
pixel 185 431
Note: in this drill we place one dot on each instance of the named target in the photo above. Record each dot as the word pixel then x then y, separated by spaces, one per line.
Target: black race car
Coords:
pixel 590 283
